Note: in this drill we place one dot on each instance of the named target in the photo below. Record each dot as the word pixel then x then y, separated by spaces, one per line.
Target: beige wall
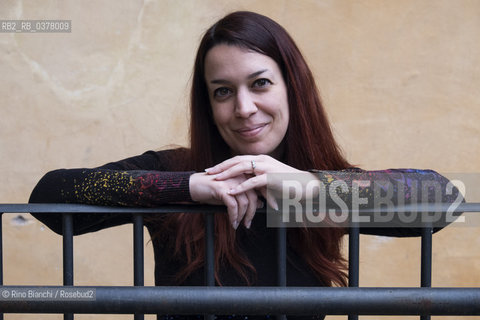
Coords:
pixel 399 79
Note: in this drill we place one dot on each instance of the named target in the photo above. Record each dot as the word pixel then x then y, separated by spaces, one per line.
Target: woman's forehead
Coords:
pixel 226 61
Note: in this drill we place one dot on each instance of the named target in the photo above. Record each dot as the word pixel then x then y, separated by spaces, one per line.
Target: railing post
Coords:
pixel 209 254
pixel 67 224
pixel 426 262
pixel 1 256
pixel 282 257
pixel 138 255
pixel 281 261
pixel 1 250
pixel 353 260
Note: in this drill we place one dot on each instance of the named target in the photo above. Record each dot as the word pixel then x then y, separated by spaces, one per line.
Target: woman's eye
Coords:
pixel 260 83
pixel 221 92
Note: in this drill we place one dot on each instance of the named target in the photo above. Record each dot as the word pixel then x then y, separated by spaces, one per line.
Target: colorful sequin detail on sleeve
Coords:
pixel 406 198
pixel 403 184
pixel 127 188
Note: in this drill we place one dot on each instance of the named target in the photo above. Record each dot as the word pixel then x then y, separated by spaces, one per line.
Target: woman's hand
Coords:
pixel 256 168
pixel 205 188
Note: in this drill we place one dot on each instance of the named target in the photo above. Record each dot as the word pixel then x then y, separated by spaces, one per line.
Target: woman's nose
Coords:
pixel 244 104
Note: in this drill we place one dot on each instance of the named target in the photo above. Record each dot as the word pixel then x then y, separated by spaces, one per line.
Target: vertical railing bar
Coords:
pixel 426 262
pixel 138 255
pixel 67 226
pixel 426 258
pixel 1 252
pixel 353 260
pixel 281 257
pixel 1 256
pixel 281 261
pixel 209 254
pixel 209 249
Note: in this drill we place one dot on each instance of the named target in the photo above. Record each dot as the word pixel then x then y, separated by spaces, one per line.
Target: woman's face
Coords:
pixel 249 100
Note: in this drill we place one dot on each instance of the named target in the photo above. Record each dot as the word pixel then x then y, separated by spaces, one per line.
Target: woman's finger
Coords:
pixel 249 184
pixel 238 169
pixel 224 165
pixel 243 204
pixel 234 161
pixel 269 197
pixel 232 208
pixel 252 208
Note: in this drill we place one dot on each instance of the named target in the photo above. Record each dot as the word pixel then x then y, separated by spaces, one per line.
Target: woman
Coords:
pixel 255 111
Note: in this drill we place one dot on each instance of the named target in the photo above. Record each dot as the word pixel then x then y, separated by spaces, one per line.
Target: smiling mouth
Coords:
pixel 252 131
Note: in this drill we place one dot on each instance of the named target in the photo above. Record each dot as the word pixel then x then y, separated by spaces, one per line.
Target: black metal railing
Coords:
pixel 210 300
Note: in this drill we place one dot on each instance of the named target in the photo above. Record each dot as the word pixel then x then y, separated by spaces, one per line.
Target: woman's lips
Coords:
pixel 251 131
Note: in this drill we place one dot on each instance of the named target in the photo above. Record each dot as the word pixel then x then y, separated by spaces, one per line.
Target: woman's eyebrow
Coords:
pixel 250 76
pixel 255 74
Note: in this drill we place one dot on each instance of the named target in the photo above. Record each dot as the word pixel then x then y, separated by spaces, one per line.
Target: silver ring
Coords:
pixel 253 165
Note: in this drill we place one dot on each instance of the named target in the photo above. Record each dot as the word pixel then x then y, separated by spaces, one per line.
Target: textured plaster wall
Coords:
pixel 400 81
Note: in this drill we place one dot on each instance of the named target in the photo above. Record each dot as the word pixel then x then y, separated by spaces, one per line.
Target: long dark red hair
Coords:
pixel 309 144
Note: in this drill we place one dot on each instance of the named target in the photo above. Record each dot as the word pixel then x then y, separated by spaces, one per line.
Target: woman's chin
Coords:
pixel 249 151
pixel 257 150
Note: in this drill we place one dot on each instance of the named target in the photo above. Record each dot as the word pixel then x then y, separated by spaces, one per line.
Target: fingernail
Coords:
pixel 275 206
pixel 249 224
pixel 235 225
pixel 207 170
pixel 260 205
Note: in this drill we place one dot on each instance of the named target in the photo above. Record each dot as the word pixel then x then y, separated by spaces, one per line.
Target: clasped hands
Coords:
pixel 238 183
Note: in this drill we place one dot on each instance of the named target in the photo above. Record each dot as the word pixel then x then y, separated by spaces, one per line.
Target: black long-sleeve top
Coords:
pixel 151 179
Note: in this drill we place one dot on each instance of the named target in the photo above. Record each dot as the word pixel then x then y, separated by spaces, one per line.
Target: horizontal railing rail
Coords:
pixel 258 300
pixel 209 300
